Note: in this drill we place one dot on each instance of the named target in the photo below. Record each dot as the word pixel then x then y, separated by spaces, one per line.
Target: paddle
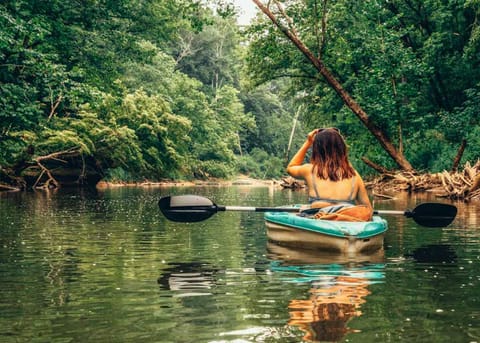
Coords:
pixel 194 208
pixel 429 214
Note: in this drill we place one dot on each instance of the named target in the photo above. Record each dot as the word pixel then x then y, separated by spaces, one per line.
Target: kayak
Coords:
pixel 293 230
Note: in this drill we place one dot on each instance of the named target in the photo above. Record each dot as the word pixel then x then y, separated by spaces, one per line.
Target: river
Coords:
pixel 91 266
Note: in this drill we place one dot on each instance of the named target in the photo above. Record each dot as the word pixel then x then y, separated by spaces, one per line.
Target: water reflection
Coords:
pixel 188 279
pixel 86 266
pixel 337 289
pixel 434 253
pixel 292 255
pixel 332 303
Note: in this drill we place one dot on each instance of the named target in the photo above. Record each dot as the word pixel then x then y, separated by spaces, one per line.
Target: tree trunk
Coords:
pixel 457 159
pixel 295 119
pixel 381 137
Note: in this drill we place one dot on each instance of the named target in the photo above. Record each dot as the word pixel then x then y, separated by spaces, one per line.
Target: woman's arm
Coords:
pixel 362 195
pixel 296 166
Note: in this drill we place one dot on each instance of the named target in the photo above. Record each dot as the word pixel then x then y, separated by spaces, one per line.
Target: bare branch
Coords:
pixel 56 157
pixel 287 18
pixel 54 105
pixel 186 48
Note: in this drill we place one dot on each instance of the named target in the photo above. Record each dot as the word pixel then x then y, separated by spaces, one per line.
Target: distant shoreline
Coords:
pixel 236 182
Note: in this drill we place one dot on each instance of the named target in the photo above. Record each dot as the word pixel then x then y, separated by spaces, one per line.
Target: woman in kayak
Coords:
pixel 334 186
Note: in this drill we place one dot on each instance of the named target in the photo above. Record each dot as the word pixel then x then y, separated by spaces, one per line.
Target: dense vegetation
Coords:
pixel 150 89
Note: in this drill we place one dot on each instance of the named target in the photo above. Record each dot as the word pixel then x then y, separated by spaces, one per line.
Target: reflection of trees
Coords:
pixel 324 316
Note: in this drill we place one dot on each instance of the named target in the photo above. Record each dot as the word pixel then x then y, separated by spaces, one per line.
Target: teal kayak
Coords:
pixel 352 237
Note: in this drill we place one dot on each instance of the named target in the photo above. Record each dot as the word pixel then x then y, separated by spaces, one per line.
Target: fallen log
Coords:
pixel 292 183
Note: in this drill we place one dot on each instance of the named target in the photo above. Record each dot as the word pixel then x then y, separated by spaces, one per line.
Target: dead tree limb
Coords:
pixel 295 120
pixel 56 156
pixel 54 105
pixel 457 159
pixel 4 187
pixel 374 166
pixel 475 185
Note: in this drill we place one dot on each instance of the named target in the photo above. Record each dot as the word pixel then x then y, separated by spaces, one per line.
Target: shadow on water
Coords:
pixel 434 253
pixel 338 287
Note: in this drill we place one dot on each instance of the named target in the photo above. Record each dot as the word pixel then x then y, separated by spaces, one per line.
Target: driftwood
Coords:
pixel 4 187
pixel 9 181
pixel 382 196
pixel 462 185
pixel 292 183
pixel 476 184
pixel 58 156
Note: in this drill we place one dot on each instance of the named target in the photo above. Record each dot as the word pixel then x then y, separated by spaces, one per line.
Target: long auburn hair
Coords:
pixel 329 156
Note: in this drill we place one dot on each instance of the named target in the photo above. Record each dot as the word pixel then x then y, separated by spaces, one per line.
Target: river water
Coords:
pixel 88 266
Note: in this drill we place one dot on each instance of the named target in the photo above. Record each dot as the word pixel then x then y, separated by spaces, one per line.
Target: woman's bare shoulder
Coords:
pixel 300 171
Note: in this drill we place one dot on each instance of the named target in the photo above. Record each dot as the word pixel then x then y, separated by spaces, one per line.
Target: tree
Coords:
pixel 383 58
pixel 68 90
pixel 211 55
pixel 382 138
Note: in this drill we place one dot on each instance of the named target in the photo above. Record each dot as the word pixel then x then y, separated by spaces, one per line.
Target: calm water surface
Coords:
pixel 87 266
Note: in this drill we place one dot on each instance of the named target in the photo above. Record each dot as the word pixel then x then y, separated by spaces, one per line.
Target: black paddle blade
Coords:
pixel 433 214
pixel 187 208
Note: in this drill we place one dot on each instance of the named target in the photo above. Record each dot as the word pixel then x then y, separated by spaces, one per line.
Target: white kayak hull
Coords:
pixel 345 237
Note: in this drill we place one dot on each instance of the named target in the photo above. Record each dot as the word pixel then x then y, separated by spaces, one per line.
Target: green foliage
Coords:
pixel 160 89
pixel 118 175
pixel 465 124
pixel 212 169
pixel 409 65
pixel 105 79
pixel 259 164
pixel 274 120
pixel 211 56
pixel 146 136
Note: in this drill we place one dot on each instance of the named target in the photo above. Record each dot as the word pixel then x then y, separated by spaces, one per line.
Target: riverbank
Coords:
pixel 460 185
pixel 240 181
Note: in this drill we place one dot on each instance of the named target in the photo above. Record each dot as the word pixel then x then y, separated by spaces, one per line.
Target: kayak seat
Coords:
pixel 339 212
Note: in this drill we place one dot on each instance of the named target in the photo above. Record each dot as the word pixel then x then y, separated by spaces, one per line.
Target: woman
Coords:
pixel 333 184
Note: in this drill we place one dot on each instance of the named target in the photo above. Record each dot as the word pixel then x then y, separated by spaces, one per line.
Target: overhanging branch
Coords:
pixel 381 137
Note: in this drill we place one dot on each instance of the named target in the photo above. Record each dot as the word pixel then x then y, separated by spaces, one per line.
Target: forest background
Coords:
pixel 176 89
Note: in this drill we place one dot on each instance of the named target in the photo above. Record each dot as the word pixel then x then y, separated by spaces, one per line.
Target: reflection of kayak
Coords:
pixel 337 291
pixel 290 255
pixel 346 237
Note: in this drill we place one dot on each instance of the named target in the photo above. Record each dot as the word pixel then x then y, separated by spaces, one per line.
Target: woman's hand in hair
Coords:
pixel 311 137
